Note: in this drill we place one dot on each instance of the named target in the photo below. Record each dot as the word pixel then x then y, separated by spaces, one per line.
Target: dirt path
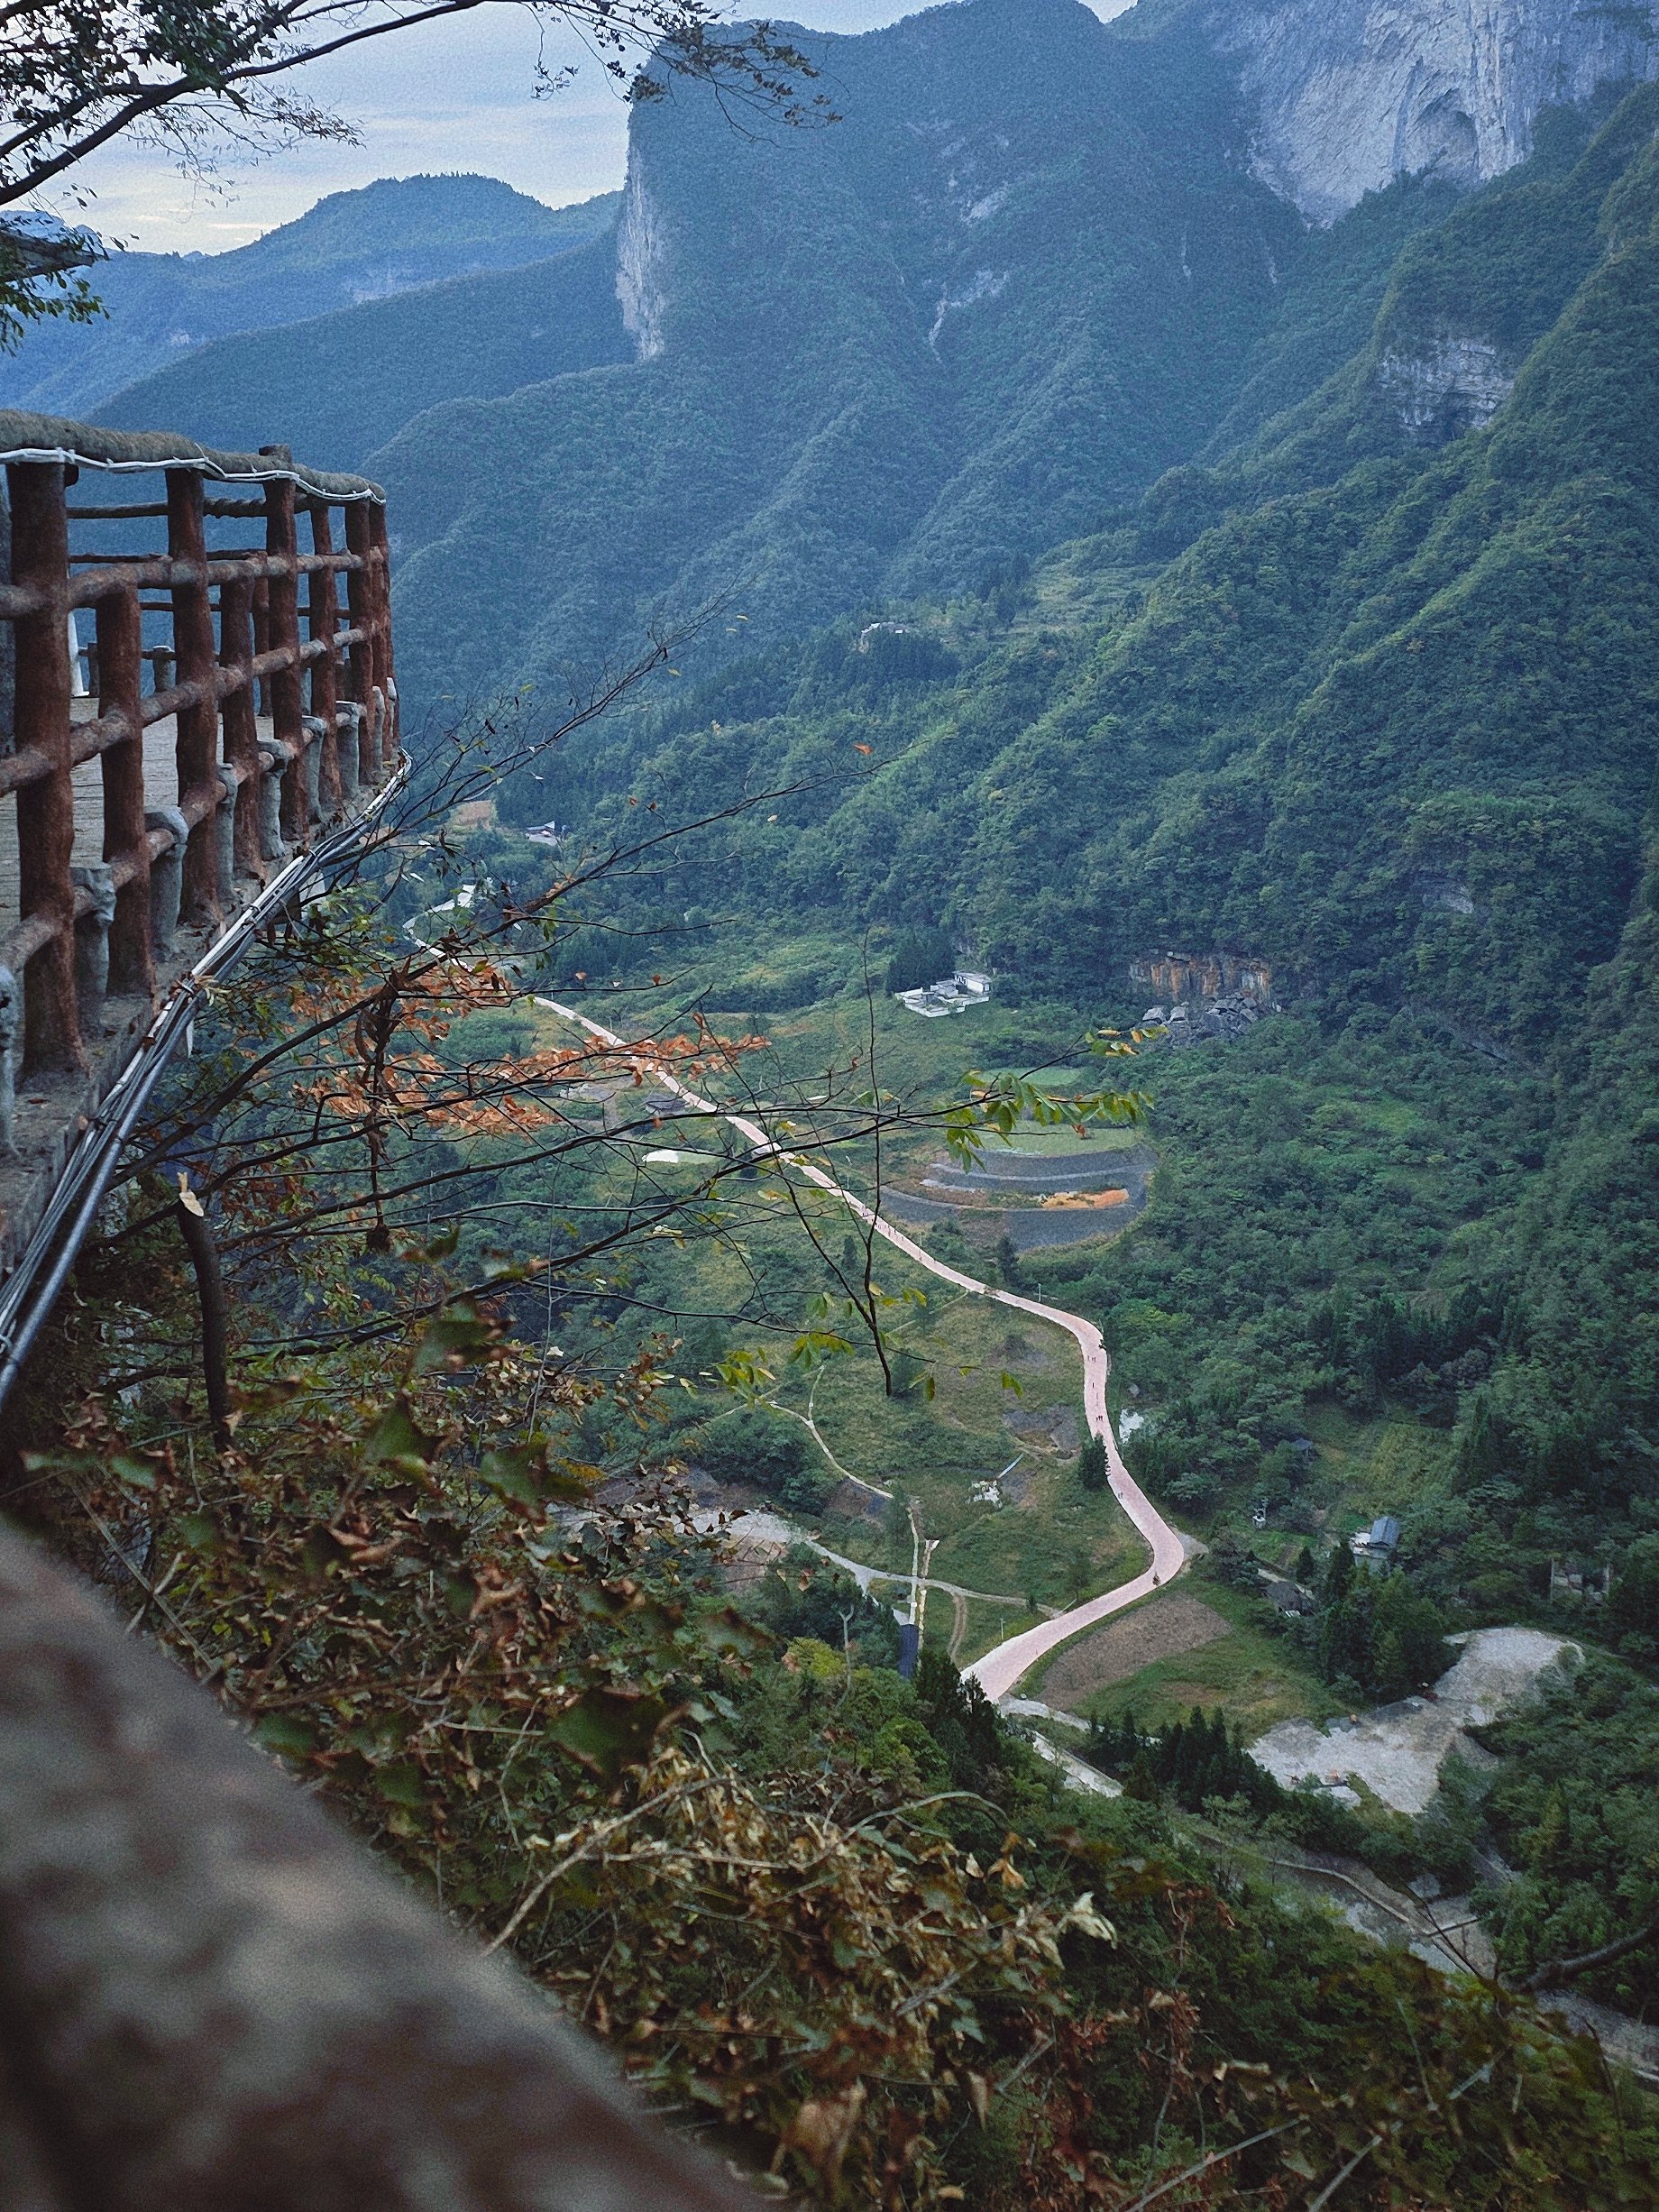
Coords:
pixel 1003 1665
pixel 959 1623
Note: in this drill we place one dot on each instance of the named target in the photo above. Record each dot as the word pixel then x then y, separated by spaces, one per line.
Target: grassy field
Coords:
pixel 1365 1467
pixel 986 1386
pixel 1250 1674
pixel 1062 1144
pixel 1004 1388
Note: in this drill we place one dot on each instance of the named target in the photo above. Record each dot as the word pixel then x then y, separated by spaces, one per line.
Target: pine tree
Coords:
pixel 1551 1840
pixel 1094 1470
pixel 1140 1782
pixel 1389 1675
pixel 1483 1452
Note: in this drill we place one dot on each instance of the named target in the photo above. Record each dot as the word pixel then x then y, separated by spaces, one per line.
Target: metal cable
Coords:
pixel 27 1297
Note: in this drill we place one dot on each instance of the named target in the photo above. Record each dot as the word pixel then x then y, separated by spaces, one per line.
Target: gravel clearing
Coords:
pixel 1398 1751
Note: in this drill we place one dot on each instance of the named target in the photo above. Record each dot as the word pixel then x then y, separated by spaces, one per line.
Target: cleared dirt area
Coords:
pixel 1162 1631
pixel 1397 1750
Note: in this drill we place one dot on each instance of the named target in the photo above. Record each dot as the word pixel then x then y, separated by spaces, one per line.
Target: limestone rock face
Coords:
pixel 1455 384
pixel 1353 93
pixel 639 265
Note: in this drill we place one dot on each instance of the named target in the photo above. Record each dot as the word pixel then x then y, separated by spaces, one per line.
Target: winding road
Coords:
pixel 1005 1664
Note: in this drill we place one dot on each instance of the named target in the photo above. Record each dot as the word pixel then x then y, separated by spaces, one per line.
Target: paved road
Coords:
pixel 1005 1664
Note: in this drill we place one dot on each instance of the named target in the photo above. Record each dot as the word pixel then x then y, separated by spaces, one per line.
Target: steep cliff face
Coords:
pixel 1027 274
pixel 1353 93
pixel 1453 385
pixel 639 270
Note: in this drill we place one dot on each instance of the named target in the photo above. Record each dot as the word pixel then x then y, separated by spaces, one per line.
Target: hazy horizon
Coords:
pixel 456 95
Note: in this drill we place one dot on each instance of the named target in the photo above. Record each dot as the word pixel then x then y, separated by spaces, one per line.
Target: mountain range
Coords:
pixel 1167 513
pixel 1362 693
pixel 1038 261
pixel 165 312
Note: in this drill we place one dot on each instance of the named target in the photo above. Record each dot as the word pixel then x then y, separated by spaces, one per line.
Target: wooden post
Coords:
pixel 262 638
pixel 198 724
pixel 322 621
pixel 241 723
pixel 286 708
pixel 360 597
pixel 384 674
pixel 46 807
pixel 121 683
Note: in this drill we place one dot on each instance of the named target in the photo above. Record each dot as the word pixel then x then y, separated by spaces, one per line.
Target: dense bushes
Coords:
pixel 1193 1761
pixel 1376 1636
pixel 1575 1810
pixel 919 957
pixel 768 1450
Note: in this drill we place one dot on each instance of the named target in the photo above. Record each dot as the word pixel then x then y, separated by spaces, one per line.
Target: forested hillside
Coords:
pixel 1234 638
pixel 1373 702
pixel 1391 731
pixel 339 385
pixel 371 244
pixel 1024 274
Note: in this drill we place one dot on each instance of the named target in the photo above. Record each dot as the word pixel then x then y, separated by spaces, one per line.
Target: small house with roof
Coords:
pixel 1377 1545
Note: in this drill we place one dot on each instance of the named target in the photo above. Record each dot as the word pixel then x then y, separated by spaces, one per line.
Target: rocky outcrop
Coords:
pixel 1201 978
pixel 1452 386
pixel 639 254
pixel 1204 997
pixel 213 1997
pixel 1349 94
pixel 1224 1022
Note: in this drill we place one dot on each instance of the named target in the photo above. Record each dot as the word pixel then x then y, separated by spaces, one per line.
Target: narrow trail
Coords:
pixel 1003 1667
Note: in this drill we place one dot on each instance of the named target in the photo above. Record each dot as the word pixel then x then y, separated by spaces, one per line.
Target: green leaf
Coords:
pixel 517 1473
pixel 607 1730
pixel 523 1475
pixel 401 1783
pixel 729 1635
pixel 200 1531
pixel 453 1340
pixel 439 1247
pixel 396 1442
pixel 286 1734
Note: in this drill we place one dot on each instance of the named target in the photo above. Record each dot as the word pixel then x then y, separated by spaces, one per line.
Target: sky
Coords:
pixel 454 96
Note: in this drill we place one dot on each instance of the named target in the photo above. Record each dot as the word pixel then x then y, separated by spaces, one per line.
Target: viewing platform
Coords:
pixel 194 712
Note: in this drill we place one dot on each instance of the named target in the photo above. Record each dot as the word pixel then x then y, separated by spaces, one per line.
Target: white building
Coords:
pixel 967 987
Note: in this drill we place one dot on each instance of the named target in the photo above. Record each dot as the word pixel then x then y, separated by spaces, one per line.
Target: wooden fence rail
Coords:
pixel 264 720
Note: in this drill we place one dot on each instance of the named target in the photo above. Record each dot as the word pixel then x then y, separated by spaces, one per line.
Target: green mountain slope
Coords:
pixel 1022 277
pixel 1391 733
pixel 1375 702
pixel 338 386
pixel 371 244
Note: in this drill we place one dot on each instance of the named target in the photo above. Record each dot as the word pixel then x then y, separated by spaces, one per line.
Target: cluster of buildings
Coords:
pixel 955 994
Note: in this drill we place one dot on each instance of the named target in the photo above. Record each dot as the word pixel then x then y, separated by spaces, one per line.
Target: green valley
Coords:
pixel 915 1331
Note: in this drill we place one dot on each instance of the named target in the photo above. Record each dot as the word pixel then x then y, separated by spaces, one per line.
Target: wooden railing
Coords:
pixel 271 710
